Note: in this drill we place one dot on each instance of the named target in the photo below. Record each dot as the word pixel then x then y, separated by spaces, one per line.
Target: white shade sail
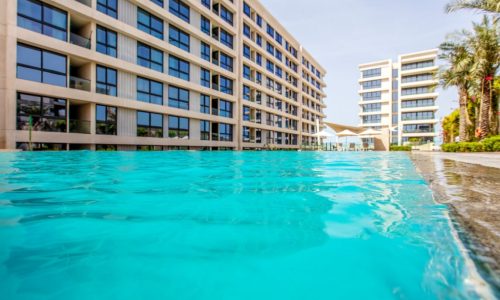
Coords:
pixel 324 134
pixel 346 133
pixel 370 132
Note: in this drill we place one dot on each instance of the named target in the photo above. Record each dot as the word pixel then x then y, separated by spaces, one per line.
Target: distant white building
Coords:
pixel 400 97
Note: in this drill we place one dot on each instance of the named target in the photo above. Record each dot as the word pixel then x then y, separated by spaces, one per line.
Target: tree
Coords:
pixel 455 50
pixel 485 46
pixel 451 126
pixel 485 6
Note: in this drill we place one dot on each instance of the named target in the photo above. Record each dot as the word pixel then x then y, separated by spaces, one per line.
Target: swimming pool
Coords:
pixel 223 225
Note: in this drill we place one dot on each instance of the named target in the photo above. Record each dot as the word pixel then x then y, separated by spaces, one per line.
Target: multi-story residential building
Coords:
pixel 400 97
pixel 153 75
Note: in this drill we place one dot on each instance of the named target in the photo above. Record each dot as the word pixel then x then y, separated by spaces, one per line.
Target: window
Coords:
pixel 226 109
pixel 270 66
pixel 246 51
pixel 258 39
pixel 226 15
pixel 105 120
pixel 246 72
pixel 226 85
pixel 279 38
pixel 149 91
pixel 279 72
pixel 373 84
pixel 47 114
pixel 226 62
pixel 149 124
pixel 149 23
pixel 258 20
pixel 205 25
pixel 106 41
pixel 270 30
pixel 270 48
pixel 372 119
pixel 279 55
pixel 178 8
pixel 247 10
pixel 205 78
pixel 246 92
pixel 40 65
pixel 158 2
pixel 246 31
pixel 178 97
pixel 205 51
pixel 206 3
pixel 258 59
pixel 420 115
pixel 415 78
pixel 225 132
pixel 204 130
pixel 372 96
pixel 416 91
pixel 417 103
pixel 205 104
pixel 226 38
pixel 42 18
pixel 106 80
pixel 178 68
pixel 372 107
pixel 109 7
pixel 246 113
pixel 372 73
pixel 418 65
pixel 178 127
pixel 149 57
pixel 418 128
pixel 178 38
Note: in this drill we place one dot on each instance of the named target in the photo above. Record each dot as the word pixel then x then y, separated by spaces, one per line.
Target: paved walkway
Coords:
pixel 484 159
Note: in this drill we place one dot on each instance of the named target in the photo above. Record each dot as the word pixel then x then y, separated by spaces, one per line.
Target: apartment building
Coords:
pixel 400 97
pixel 154 75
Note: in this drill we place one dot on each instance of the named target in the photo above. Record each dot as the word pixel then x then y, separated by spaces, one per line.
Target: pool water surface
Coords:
pixel 223 225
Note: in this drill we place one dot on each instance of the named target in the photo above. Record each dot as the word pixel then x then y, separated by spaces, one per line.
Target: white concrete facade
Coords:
pixel 401 97
pixel 291 99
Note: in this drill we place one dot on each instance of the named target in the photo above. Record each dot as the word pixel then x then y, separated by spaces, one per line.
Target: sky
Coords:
pixel 341 34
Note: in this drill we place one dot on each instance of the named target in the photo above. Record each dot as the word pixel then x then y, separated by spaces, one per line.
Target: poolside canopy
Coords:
pixel 346 133
pixel 370 133
pixel 324 134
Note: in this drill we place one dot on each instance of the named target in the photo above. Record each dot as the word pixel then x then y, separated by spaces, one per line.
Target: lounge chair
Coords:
pixel 352 147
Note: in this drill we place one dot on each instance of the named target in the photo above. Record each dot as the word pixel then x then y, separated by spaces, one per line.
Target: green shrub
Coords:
pixel 400 148
pixel 491 144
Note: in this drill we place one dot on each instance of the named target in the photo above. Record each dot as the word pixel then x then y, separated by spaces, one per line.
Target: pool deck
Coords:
pixel 469 184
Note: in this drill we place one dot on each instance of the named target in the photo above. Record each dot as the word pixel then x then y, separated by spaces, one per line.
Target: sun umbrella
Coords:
pixel 346 133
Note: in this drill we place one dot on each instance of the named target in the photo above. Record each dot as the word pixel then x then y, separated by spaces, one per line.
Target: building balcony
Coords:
pixel 85 2
pixel 79 40
pixel 79 126
pixel 422 83
pixel 420 108
pixel 79 83
pixel 416 71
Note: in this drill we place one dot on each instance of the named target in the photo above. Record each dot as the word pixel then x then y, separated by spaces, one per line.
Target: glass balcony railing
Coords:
pixel 79 40
pixel 79 83
pixel 79 126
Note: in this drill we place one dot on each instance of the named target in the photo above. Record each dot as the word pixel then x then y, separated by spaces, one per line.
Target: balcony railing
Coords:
pixel 79 40
pixel 79 126
pixel 79 83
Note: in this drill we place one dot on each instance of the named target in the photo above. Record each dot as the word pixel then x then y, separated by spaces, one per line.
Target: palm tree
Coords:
pixel 485 6
pixel 485 45
pixel 455 50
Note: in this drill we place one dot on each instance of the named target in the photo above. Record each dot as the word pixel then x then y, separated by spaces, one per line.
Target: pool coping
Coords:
pixel 479 245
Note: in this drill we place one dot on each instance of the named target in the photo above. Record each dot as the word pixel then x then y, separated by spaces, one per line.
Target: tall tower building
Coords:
pixel 154 75
pixel 400 97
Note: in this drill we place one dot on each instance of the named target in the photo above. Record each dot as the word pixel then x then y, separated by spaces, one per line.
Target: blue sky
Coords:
pixel 341 34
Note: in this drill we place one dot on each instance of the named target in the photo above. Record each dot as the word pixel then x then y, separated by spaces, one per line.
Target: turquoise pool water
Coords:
pixel 223 225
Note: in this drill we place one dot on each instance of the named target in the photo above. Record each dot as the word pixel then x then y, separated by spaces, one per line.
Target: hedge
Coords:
pixel 400 148
pixel 491 144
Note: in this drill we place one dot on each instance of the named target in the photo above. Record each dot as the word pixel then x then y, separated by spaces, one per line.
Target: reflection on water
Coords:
pixel 228 225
